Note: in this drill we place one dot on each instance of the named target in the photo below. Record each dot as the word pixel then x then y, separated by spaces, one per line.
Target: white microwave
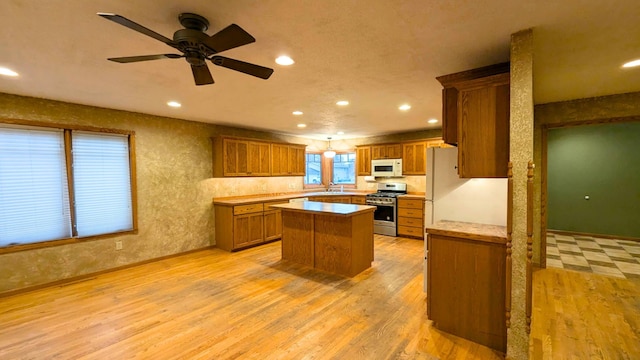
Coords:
pixel 386 167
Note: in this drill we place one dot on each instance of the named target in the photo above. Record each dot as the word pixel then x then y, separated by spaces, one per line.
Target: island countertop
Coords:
pixel 337 209
pixel 471 231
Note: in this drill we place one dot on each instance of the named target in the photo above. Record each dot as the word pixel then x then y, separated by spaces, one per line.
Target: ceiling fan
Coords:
pixel 196 46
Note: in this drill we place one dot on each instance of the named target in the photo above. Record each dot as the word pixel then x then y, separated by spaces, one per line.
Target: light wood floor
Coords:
pixel 245 305
pixel 579 315
pixel 251 305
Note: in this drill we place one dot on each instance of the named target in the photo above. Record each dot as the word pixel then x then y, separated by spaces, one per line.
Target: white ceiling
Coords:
pixel 378 54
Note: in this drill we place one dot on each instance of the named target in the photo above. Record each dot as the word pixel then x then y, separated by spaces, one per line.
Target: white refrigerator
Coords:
pixel 449 197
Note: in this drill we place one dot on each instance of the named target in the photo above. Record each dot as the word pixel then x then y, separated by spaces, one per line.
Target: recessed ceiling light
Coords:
pixel 297 112
pixel 302 125
pixel 174 104
pixel 404 107
pixel 284 60
pixel 7 72
pixel 633 63
pixel 432 121
pixel 342 103
pixel 340 132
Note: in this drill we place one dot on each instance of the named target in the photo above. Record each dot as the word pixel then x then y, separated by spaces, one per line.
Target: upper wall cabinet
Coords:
pixel 287 160
pixel 363 160
pixel 246 157
pixel 414 154
pixel 476 118
pixel 386 151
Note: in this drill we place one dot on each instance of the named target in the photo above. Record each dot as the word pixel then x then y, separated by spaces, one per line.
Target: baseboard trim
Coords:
pixel 84 277
pixel 602 236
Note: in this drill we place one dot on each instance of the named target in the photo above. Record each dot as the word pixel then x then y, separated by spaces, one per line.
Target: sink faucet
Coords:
pixel 329 185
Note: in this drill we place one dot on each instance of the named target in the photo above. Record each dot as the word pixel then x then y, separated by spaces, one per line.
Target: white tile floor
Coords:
pixel 611 257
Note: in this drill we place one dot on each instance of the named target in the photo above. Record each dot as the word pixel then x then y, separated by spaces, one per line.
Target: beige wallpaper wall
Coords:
pixel 175 190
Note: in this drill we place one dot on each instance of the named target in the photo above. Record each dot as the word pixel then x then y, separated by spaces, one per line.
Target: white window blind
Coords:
pixel 34 196
pixel 102 184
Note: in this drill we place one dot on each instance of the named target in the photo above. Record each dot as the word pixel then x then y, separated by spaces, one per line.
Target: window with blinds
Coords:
pixel 101 183
pixel 55 187
pixel 34 196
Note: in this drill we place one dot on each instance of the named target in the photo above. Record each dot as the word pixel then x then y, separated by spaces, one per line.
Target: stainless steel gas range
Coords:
pixel 385 217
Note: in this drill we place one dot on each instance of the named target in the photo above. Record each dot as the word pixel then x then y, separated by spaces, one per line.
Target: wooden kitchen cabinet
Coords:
pixel 466 283
pixel 287 160
pixel 414 159
pixel 476 114
pixel 386 151
pixel 363 160
pixel 359 199
pixel 241 157
pixel 246 157
pixel 248 230
pixel 242 226
pixel 272 225
pixel 410 217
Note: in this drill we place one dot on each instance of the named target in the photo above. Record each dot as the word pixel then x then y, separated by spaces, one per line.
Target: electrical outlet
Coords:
pixel 119 245
pixel 264 187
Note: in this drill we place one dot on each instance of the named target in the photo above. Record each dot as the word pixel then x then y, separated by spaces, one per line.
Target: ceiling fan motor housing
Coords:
pixel 193 21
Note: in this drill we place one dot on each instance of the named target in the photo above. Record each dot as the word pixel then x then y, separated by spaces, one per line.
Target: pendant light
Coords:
pixel 329 153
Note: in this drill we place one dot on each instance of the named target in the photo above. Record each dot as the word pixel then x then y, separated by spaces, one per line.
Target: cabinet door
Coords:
pixel 235 153
pixel 358 199
pixel 279 159
pixel 414 158
pixel 363 161
pixel 272 225
pixel 483 125
pixel 247 229
pixel 378 152
pixel 259 159
pixel 296 160
pixel 450 116
pixel 394 151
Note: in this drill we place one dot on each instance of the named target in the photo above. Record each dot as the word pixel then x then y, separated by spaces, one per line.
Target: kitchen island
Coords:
pixel 333 237
pixel 467 281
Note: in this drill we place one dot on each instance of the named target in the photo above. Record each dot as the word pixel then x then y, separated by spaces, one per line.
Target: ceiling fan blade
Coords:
pixel 130 59
pixel 201 74
pixel 137 27
pixel 244 67
pixel 228 38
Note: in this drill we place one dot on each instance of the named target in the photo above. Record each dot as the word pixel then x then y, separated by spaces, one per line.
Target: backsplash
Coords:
pixel 239 186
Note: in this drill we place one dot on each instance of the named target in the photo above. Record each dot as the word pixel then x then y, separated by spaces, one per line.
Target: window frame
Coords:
pixel 68 129
pixel 327 171
pixel 322 171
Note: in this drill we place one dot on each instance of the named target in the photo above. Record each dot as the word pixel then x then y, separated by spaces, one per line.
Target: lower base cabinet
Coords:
pixel 272 224
pixel 466 289
pixel 243 226
pixel 410 217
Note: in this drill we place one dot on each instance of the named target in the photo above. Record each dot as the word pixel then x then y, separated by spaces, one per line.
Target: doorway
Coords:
pixel 590 177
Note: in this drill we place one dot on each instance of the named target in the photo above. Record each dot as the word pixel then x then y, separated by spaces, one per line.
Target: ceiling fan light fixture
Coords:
pixel 630 64
pixel 329 153
pixel 284 60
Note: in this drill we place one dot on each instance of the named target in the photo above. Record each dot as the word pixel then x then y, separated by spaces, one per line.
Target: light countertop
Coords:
pixel 325 208
pixel 471 231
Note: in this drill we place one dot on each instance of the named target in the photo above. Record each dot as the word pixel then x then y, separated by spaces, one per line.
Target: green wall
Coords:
pixel 603 162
